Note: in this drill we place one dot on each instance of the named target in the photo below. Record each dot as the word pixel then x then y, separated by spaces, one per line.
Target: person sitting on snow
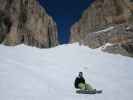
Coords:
pixel 81 84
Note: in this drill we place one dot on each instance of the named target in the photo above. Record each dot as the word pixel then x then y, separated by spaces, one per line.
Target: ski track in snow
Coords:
pixel 28 73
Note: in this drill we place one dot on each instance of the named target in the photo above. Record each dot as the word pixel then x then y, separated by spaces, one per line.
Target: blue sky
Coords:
pixel 65 13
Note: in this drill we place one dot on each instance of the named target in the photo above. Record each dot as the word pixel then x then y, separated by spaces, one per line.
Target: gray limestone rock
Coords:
pixel 25 21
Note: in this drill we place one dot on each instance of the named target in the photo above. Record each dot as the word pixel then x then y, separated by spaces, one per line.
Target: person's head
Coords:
pixel 80 74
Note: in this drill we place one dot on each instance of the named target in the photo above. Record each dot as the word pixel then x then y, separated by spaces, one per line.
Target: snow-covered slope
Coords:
pixel 28 73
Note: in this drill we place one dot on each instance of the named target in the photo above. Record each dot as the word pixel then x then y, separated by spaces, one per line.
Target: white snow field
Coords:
pixel 28 73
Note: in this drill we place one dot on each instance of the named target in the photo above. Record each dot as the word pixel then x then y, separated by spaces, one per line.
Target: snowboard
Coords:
pixel 88 92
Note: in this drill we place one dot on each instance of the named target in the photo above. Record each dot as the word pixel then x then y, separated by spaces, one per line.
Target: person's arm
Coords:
pixel 76 83
pixel 84 80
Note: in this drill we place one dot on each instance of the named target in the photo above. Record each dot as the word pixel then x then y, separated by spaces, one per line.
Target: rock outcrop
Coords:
pixel 25 21
pixel 106 21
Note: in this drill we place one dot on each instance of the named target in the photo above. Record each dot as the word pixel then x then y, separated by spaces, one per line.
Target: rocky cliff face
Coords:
pixel 25 21
pixel 105 21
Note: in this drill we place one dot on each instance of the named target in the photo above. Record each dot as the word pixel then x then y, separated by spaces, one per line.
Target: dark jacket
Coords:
pixel 79 80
